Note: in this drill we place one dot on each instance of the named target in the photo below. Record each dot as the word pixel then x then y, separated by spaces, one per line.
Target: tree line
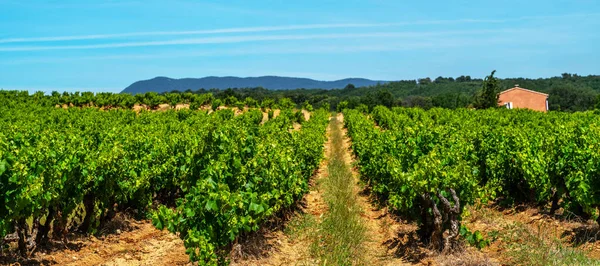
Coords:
pixel 568 92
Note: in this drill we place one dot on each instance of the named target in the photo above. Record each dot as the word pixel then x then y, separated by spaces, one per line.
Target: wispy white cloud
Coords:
pixel 279 28
pixel 193 32
pixel 432 43
pixel 221 31
pixel 259 38
pixel 48 90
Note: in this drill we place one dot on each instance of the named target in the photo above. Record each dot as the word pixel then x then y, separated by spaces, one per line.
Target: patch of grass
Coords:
pixel 300 227
pixel 540 247
pixel 341 233
pixel 318 185
pixel 464 257
pixel 478 212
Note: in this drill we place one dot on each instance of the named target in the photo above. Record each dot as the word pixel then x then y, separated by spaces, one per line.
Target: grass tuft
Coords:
pixel 300 227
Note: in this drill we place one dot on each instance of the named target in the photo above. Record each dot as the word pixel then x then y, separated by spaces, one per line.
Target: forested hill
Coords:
pixel 164 84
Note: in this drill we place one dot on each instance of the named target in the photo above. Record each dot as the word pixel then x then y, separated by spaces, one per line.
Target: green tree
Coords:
pixel 385 98
pixel 424 81
pixel 487 97
pixel 571 99
pixel 417 101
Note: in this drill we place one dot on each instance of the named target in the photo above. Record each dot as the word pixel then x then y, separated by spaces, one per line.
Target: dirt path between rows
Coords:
pixel 380 226
pixel 278 247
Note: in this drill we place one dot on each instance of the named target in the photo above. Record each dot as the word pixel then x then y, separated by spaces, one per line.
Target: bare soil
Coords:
pixel 296 126
pixel 139 107
pixel 131 243
pixel 306 114
pixel 276 113
pixel 182 106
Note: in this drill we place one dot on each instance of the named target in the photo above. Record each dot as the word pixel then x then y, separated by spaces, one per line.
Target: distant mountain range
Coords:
pixel 164 84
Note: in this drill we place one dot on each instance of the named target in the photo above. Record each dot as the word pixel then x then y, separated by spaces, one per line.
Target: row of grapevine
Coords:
pixel 430 164
pixel 63 170
pixel 151 100
pixel 245 184
pixel 107 99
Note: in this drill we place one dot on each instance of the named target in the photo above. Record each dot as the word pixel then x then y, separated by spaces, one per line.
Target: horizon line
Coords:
pixel 47 90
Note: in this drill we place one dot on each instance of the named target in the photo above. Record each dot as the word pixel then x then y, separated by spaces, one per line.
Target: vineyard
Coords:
pixel 215 177
pixel 207 177
pixel 430 165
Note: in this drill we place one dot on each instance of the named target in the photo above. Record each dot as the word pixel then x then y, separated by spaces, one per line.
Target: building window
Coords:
pixel 508 105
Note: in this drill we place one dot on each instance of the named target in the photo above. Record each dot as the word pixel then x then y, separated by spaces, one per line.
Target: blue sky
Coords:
pixel 71 45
